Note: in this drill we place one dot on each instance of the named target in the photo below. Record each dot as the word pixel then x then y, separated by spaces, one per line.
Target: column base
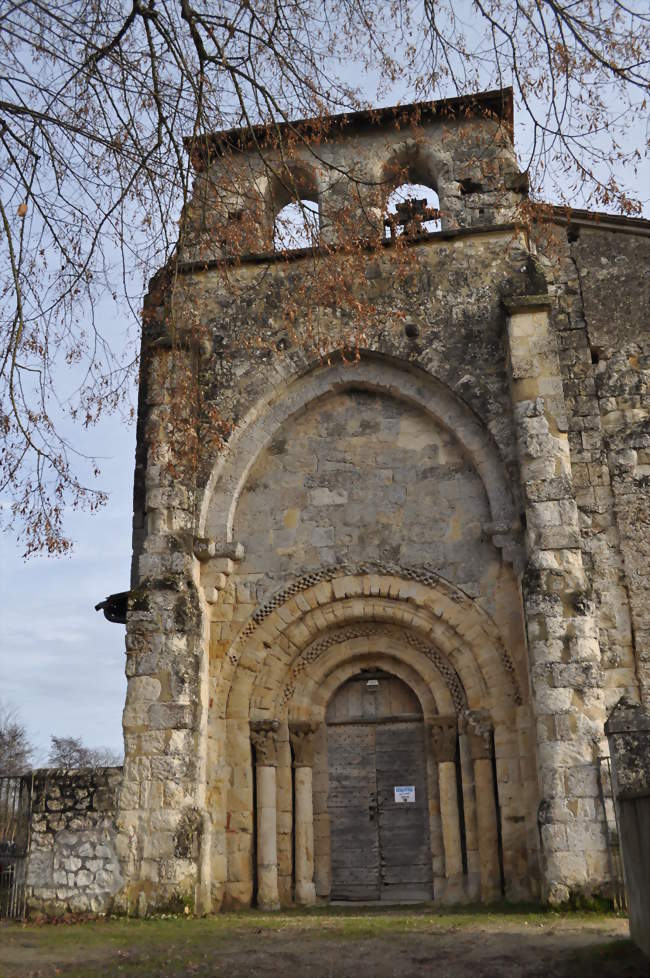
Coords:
pixel 267 905
pixel 305 893
pixel 451 892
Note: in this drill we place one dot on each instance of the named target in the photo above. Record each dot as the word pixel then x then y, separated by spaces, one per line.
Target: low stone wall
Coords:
pixel 73 866
pixel 628 731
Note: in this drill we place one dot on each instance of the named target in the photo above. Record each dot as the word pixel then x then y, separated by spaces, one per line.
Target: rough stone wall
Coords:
pixel 599 279
pixel 598 283
pixel 73 865
pixel 614 276
pixel 445 320
pixel 454 333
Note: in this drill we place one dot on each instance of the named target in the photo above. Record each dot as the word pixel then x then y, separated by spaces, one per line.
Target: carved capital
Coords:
pixel 264 737
pixel 444 735
pixel 478 727
pixel 303 742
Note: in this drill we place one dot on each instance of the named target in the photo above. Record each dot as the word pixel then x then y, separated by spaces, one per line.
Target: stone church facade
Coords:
pixel 373 637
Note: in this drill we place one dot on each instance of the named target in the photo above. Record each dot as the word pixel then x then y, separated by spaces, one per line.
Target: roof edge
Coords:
pixel 497 103
pixel 606 222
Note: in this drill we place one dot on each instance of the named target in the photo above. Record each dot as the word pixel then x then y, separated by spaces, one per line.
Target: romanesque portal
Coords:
pixel 374 630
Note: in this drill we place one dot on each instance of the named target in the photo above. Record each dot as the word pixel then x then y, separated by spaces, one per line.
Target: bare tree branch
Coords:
pixel 96 97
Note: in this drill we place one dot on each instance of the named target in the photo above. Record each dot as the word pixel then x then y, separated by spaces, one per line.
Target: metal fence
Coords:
pixel 15 817
pixel 611 828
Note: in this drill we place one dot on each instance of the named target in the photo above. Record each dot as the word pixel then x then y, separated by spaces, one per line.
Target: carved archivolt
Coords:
pixel 421 575
pixel 367 630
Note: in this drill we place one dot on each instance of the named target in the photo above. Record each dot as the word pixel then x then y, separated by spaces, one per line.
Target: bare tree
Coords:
pixel 71 752
pixel 96 97
pixel 15 749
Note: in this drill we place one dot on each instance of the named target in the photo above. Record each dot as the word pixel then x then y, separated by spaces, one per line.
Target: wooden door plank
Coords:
pixel 403 826
pixel 351 804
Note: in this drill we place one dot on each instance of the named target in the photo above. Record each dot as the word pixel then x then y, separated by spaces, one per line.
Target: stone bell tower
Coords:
pixel 383 590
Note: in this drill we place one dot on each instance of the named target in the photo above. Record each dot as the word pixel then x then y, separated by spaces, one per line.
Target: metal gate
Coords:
pixel 15 816
pixel 619 895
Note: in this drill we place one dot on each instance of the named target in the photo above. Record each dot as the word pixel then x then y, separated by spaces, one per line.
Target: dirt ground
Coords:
pixel 330 943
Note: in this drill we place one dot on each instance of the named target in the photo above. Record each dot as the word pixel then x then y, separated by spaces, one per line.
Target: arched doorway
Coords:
pixel 378 799
pixel 458 686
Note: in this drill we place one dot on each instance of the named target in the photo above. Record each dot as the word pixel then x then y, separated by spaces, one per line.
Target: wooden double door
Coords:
pixel 378 799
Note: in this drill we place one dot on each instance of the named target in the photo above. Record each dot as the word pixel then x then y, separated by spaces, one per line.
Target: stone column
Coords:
pixel 303 737
pixel 444 737
pixel 264 738
pixel 479 738
pixel 473 884
pixel 563 648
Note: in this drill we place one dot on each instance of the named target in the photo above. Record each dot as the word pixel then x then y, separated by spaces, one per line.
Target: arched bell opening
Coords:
pixel 294 205
pixel 296 225
pixel 412 209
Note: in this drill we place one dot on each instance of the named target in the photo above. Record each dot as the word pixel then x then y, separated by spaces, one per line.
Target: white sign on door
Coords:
pixel 405 793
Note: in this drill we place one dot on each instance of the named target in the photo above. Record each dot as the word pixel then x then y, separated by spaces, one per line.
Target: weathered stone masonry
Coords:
pixel 462 512
pixel 73 865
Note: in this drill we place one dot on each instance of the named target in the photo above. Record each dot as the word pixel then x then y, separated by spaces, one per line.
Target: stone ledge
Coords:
pixel 526 303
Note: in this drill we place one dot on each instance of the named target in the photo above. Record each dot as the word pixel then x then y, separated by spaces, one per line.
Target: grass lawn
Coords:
pixel 330 943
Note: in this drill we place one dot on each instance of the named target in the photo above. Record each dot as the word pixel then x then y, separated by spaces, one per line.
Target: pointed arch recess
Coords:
pixel 377 373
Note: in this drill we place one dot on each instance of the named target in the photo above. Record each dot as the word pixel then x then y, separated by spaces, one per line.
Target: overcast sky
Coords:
pixel 61 662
